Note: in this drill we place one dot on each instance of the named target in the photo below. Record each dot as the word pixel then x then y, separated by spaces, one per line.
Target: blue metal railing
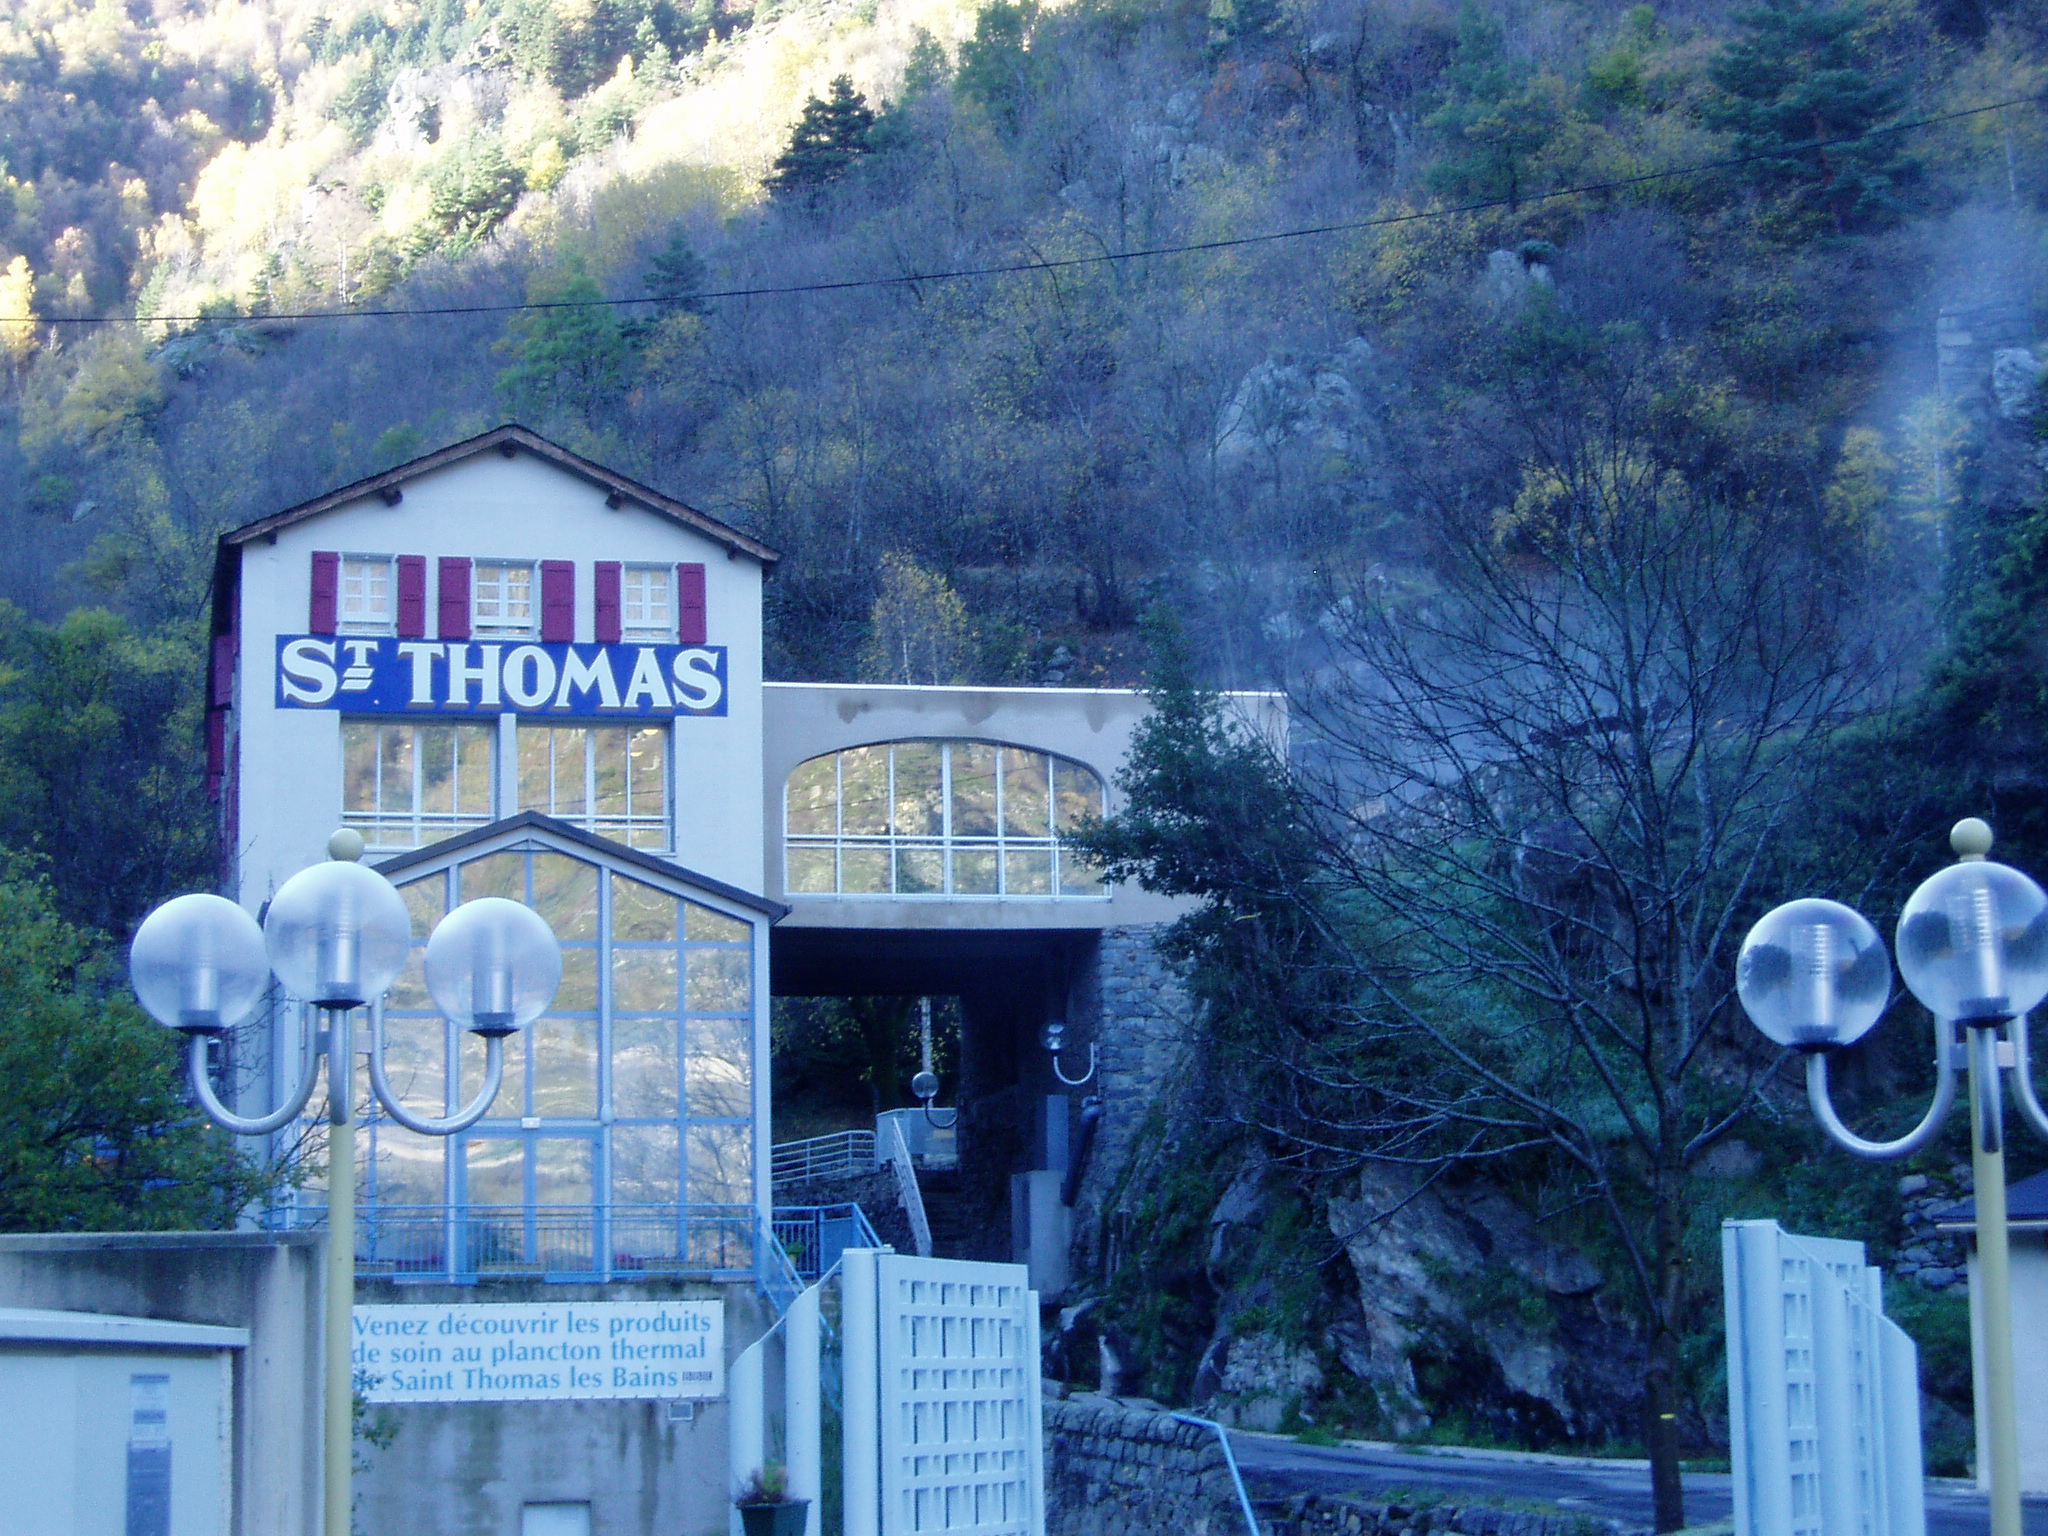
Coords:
pixel 458 1244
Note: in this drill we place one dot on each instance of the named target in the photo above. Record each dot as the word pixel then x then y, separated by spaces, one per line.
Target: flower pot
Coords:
pixel 774 1519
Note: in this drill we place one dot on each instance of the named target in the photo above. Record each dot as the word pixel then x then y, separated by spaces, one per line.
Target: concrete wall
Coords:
pixel 268 1284
pixel 466 1469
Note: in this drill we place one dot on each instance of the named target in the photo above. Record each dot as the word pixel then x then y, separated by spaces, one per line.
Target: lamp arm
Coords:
pixel 494 1076
pixel 944 1125
pixel 2023 1080
pixel 1075 1082
pixel 244 1125
pixel 1929 1126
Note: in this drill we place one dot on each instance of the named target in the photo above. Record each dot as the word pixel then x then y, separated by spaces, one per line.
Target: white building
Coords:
pixel 519 673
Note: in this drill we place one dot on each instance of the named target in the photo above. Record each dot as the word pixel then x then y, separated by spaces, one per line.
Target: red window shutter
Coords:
pixel 454 598
pixel 412 596
pixel 606 612
pixel 326 579
pixel 216 751
pixel 221 693
pixel 690 622
pixel 557 601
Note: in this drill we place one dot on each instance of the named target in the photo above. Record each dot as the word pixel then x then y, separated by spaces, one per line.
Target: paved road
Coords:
pixel 1276 1467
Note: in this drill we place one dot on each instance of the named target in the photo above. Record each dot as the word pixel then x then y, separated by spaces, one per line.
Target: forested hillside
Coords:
pixel 1011 324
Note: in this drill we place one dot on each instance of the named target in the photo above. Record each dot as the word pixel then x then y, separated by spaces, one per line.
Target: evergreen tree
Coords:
pixel 1797 78
pixel 677 274
pixel 832 133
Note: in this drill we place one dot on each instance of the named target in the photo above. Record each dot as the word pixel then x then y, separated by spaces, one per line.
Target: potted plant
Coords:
pixel 765 1507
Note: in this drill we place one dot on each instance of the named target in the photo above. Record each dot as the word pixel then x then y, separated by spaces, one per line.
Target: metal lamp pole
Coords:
pixel 336 936
pixel 1973 948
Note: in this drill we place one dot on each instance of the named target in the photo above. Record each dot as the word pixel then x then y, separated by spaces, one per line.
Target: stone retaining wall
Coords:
pixel 1114 1470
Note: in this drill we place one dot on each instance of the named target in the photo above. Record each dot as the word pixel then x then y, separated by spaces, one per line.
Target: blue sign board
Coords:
pixel 383 675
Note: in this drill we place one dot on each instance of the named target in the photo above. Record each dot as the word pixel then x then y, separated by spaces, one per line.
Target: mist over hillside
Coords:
pixel 1011 325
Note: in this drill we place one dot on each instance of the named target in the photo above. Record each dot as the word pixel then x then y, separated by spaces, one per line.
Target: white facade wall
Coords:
pixel 288 769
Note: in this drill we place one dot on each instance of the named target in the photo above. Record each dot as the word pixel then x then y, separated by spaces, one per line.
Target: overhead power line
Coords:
pixel 1061 263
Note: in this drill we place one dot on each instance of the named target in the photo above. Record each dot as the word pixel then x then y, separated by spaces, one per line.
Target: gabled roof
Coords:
pixel 2025 1201
pixel 509 440
pixel 563 832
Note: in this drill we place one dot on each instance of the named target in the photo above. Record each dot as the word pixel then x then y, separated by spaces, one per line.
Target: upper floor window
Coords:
pixel 939 818
pixel 366 602
pixel 607 779
pixel 502 598
pixel 647 602
pixel 404 785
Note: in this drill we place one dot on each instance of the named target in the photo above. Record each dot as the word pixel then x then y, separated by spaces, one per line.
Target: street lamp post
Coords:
pixel 336 936
pixel 1973 948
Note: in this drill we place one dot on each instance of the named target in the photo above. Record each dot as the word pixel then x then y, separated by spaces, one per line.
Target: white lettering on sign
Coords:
pixel 475 1352
pixel 387 676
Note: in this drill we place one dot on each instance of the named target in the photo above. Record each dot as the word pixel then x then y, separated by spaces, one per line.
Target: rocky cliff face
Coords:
pixel 1427 1298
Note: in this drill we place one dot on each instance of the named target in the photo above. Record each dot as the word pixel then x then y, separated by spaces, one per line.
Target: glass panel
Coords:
pixel 496 874
pixel 648 779
pixel 918 802
pixel 1027 871
pixel 702 923
pixel 408 994
pixel 427 901
pixel 394 766
pixel 720 980
pixel 813 798
pixel 536 768
pixel 1078 877
pixel 358 766
pixel 974 872
pixel 643 981
pixel 571 794
pixel 565 893
pixel 1079 794
pixel 646 834
pixel 608 771
pixel 644 1068
pixel 408 1167
pixel 578 991
pixel 920 869
pixel 721 1165
pixel 717 1067
pixel 1024 793
pixel 812 871
pixel 416 1061
pixel 864 791
pixel 496 1172
pixel 640 911
pixel 475 748
pixel 974 789
pixel 562 1170
pixel 646 1170
pixel 565 1068
pixel 437 768
pixel 864 870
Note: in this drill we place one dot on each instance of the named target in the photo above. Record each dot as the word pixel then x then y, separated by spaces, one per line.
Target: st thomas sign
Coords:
pixel 479 1352
pixel 381 675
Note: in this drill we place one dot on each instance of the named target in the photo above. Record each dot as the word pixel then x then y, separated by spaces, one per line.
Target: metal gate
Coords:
pixel 942 1426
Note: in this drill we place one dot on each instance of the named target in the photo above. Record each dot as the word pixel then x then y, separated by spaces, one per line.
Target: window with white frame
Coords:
pixel 502 598
pixel 647 609
pixel 939 818
pixel 607 779
pixel 366 602
pixel 404 785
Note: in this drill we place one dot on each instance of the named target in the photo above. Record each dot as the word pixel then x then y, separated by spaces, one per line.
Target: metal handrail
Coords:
pixel 842 1154
pixel 907 1190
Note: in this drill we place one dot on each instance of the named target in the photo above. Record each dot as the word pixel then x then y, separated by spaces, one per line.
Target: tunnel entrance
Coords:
pixel 993 993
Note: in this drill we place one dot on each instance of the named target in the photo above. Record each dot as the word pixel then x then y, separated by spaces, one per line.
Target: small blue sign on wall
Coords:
pixel 383 675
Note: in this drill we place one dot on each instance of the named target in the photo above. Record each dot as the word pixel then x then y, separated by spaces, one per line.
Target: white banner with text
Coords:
pixel 476 1352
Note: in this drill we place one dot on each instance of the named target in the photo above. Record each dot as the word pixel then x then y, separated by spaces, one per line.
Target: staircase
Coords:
pixel 961 1227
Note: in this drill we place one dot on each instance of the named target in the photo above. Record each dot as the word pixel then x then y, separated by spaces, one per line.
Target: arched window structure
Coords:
pixel 960 819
